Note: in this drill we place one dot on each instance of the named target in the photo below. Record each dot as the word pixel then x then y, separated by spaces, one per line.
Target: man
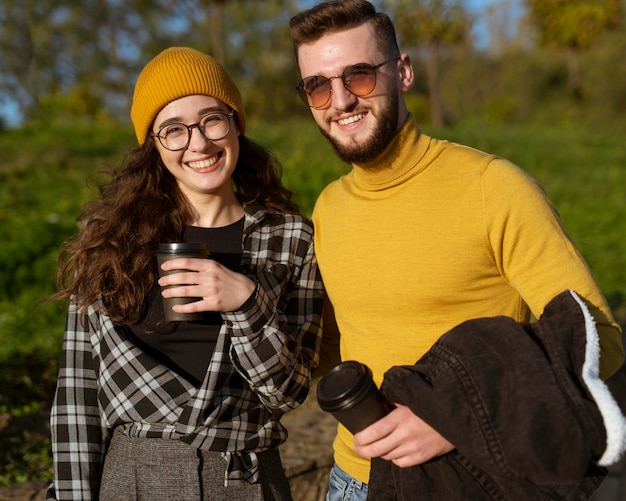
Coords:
pixel 422 234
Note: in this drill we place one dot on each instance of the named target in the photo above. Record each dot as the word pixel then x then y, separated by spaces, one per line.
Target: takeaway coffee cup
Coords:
pixel 174 250
pixel 348 392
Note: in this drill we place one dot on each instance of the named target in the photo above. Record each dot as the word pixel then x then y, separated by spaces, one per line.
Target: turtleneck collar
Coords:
pixel 396 163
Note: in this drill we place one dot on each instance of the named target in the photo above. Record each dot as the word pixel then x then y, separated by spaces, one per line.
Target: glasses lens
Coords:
pixel 174 136
pixel 214 126
pixel 360 79
pixel 315 91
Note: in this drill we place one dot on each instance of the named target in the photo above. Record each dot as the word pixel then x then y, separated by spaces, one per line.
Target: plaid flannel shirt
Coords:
pixel 261 368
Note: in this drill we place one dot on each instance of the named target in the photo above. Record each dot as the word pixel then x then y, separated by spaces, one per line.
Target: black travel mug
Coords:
pixel 174 250
pixel 348 392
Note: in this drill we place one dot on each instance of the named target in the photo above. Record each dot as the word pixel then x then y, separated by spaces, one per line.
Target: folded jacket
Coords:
pixel 523 404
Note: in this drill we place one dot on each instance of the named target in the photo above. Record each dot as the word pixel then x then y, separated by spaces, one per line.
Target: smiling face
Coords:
pixel 359 128
pixel 204 168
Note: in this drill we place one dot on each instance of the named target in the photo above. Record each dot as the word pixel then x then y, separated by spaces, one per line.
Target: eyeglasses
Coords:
pixel 213 127
pixel 358 79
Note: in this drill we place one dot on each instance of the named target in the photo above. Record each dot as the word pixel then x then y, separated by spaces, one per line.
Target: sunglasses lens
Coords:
pixel 360 79
pixel 315 91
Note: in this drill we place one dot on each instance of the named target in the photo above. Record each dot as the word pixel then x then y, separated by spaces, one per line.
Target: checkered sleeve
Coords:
pixel 275 341
pixel 78 435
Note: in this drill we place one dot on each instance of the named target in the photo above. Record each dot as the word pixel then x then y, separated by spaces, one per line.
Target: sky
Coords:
pixel 478 7
pixel 10 113
pixel 478 4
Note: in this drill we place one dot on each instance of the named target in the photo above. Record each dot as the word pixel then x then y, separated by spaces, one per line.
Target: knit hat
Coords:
pixel 178 72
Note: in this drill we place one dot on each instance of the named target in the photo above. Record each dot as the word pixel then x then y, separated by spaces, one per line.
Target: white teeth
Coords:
pixel 352 119
pixel 203 164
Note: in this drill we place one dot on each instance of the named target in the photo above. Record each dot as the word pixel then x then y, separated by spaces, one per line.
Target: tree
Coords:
pixel 574 26
pixel 506 26
pixel 88 48
pixel 432 24
pixel 82 57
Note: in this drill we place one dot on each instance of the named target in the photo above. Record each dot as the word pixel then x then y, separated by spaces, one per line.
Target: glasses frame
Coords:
pixel 304 95
pixel 192 126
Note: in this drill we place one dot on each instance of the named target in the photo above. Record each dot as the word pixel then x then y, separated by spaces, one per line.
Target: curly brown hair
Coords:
pixel 112 255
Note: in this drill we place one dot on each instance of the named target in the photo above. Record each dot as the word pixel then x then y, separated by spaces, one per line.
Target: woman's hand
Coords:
pixel 221 289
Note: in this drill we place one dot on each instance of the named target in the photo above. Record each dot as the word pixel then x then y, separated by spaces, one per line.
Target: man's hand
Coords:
pixel 401 437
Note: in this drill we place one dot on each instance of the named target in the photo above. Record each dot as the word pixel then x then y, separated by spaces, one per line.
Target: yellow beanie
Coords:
pixel 178 72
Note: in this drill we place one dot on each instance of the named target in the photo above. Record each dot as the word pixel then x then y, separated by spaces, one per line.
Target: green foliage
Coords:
pixel 417 104
pixel 432 25
pixel 574 26
pixel 574 23
pixel 87 55
pixel 499 110
pixel 42 191
pixel 308 161
pixel 605 66
pixel 27 387
pixel 43 187
pixel 63 60
pixel 431 21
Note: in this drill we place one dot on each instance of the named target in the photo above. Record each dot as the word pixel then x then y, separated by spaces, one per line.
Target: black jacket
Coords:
pixel 524 406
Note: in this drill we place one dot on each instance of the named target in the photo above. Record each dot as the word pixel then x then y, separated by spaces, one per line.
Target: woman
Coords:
pixel 146 408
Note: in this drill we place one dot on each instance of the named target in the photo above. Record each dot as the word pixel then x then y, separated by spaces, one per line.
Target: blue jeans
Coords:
pixel 343 487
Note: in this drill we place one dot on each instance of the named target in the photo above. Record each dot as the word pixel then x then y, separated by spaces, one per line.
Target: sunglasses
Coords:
pixel 359 79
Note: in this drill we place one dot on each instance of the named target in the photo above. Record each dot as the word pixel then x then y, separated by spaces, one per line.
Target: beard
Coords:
pixel 372 147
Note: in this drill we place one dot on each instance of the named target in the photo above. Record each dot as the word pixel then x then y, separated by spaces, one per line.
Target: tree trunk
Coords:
pixel 217 33
pixel 434 89
pixel 574 85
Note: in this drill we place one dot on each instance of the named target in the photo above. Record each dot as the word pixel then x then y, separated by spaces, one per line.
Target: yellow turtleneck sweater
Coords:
pixel 432 234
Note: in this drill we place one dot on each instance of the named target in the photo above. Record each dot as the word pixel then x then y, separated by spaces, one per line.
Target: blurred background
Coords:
pixel 503 60
pixel 541 82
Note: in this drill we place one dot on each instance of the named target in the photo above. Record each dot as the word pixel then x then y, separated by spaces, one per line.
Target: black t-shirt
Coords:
pixel 186 347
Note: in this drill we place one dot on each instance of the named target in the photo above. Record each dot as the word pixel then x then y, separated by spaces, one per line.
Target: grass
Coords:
pixel 43 187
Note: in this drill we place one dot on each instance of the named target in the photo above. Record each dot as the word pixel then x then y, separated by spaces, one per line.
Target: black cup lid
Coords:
pixel 183 248
pixel 344 386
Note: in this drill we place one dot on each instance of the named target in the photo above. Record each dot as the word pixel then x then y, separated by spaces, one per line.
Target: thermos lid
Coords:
pixel 344 386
